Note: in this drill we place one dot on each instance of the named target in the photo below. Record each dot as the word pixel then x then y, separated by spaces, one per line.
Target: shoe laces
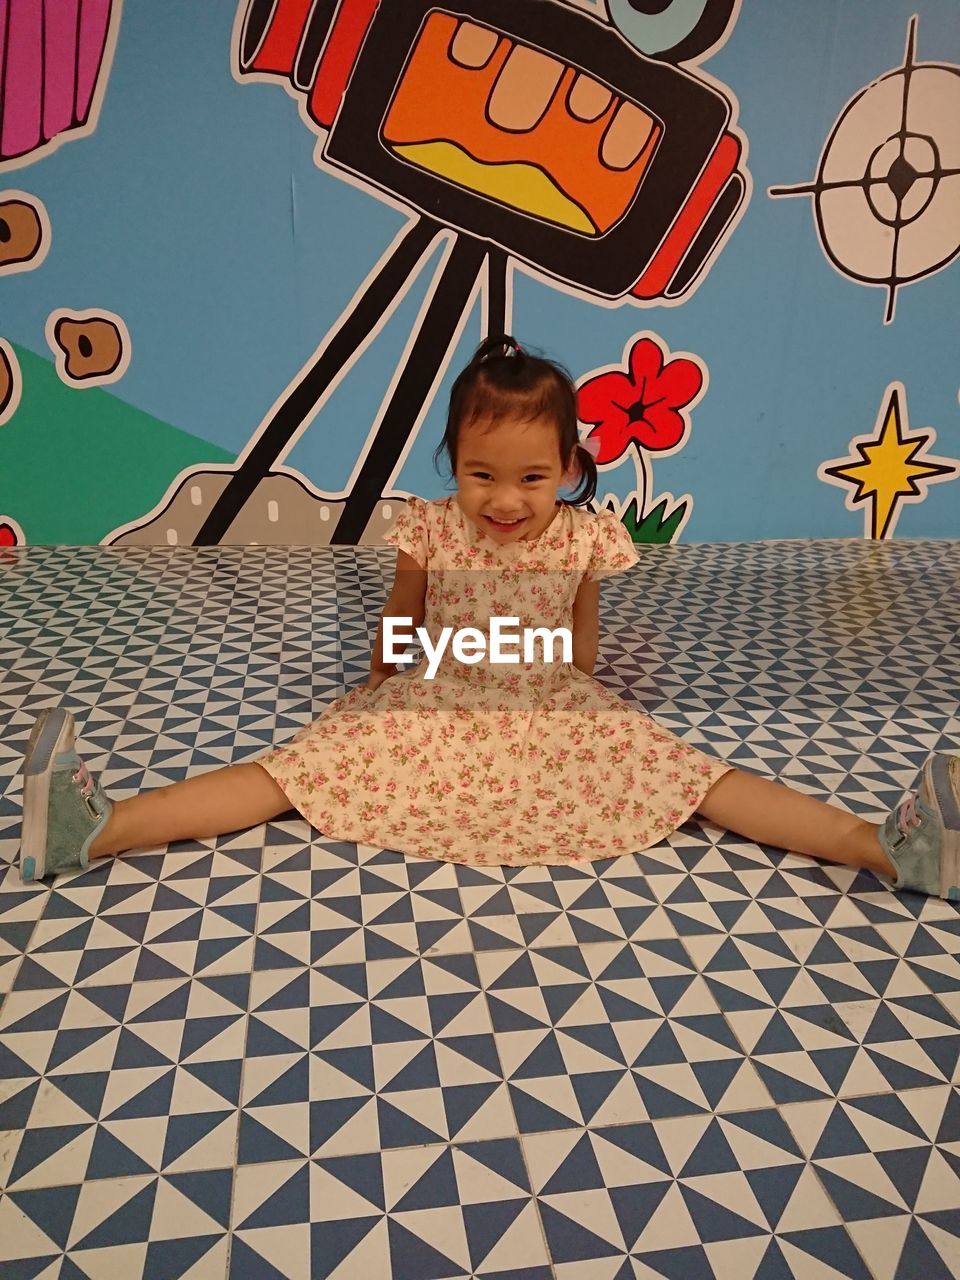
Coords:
pixel 84 781
pixel 907 816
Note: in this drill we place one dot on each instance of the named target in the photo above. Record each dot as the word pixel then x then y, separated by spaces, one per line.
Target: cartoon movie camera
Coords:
pixel 521 129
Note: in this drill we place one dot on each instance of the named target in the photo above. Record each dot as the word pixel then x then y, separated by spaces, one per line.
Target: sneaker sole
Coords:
pixel 51 735
pixel 943 796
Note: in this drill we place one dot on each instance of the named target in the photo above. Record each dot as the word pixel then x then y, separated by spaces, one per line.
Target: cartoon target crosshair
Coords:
pixel 887 192
pixel 542 133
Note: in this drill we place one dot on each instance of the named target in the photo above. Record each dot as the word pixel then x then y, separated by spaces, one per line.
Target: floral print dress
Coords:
pixel 486 763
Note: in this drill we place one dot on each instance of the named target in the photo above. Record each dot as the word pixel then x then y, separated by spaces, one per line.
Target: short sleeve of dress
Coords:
pixel 409 532
pixel 614 549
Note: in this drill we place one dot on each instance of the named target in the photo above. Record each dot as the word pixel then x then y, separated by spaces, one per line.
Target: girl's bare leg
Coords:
pixel 773 814
pixel 212 804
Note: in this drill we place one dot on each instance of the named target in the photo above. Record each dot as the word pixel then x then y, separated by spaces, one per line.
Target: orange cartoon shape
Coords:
pixel 24 232
pixel 91 347
pixel 11 383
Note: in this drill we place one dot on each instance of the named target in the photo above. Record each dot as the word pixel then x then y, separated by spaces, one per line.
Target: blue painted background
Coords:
pixel 197 214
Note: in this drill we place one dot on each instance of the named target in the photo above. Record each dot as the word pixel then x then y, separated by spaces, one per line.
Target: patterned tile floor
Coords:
pixel 273 1055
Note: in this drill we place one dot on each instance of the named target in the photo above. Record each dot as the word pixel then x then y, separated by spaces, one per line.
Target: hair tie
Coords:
pixel 498 347
pixel 592 446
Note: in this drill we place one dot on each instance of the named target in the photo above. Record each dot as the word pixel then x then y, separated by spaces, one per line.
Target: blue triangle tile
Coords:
pixel 184 1132
pixel 578 1172
pixel 222 1077
pixel 777 1037
pixel 385 1028
pixel 357 1064
pixel 840 1137
pixel 50 1209
pixel 784 1088
pixel 397 1129
pixel 889 1108
pixel 328 1117
pixel 331 1243
pixel 130 1224
pixel 420 1072
pixel 834 1248
pixel 592 1089
pixel 949 1130
pixel 85 1088
pixel 352 977
pixel 15 1111
pixel 413 1259
pixel 74 939
pixel 906 1169
pixel 435 1189
pixel 33 977
pixel 133 1052
pixel 70 1271
pixel 209 1190
pixel 854 1202
pixel 713 1221
pixel 266 956
pixel 172 1008
pixel 544 1060
pixel 534 1116
pixel 485 1226
pixel 898 1075
pixel 171 1259
pixel 445 1008
pixel 712 1154
pixel 110 1158
pixel 264 1042
pixel 484 939
pixel 71 1042
pixel 461 1102
pixel 260 1145
pixel 636 1206
pixel 833 1064
pixel 327 1019
pixel 154 1100
pixel 292 1086
pixel 507 1018
pixel 198 1032
pixel 362 1174
pixel 774 1188
pixel 37 1145
pixel 295 922
pixel 154 968
pixel 619 1009
pixel 245 1264
pixel 111 1000
pixel 661 1103
pixel 661 1050
pixel 715 1078
pixel 46 1018
pixel 289 1205
pixel 568 1241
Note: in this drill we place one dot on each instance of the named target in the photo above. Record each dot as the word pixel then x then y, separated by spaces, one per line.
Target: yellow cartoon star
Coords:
pixel 893 467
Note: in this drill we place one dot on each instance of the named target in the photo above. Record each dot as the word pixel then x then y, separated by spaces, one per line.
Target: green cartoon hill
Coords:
pixel 76 463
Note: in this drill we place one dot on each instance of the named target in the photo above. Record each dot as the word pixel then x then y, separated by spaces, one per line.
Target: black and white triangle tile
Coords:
pixel 273 1055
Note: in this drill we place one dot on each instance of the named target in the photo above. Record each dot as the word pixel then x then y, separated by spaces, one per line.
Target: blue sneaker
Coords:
pixel 922 837
pixel 64 809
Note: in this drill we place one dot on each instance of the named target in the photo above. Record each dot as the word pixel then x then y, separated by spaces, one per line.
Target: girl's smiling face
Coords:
pixel 508 473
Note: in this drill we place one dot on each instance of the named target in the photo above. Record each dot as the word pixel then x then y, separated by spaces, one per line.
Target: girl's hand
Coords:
pixel 377 678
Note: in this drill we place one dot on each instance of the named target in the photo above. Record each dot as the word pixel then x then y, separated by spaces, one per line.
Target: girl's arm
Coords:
pixel 586 626
pixel 407 600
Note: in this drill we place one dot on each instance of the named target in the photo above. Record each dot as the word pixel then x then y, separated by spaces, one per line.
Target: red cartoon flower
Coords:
pixel 642 406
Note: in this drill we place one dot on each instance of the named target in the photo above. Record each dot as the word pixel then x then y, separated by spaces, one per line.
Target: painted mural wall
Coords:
pixel 246 245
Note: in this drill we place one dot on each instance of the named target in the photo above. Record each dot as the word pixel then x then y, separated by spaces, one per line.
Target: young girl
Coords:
pixel 530 762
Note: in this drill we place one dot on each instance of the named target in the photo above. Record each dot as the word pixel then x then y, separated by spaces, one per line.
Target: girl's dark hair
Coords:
pixel 503 380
